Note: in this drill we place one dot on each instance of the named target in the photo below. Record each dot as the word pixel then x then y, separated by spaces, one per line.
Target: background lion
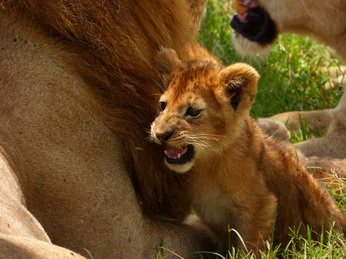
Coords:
pixel 258 23
pixel 77 89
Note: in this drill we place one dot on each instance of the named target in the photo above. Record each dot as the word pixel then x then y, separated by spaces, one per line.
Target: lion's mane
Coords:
pixel 112 44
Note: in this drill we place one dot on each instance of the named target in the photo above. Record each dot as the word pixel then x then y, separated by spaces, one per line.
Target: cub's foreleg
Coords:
pixel 255 226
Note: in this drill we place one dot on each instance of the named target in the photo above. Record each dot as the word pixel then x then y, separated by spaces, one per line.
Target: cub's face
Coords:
pixel 193 116
pixel 201 110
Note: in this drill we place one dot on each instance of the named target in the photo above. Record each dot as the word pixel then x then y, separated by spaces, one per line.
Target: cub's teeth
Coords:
pixel 175 153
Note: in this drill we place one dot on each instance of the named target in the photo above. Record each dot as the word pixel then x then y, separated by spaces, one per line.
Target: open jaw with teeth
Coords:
pixel 253 22
pixel 179 155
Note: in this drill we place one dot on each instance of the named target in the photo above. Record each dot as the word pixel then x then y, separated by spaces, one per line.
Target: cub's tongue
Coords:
pixel 175 153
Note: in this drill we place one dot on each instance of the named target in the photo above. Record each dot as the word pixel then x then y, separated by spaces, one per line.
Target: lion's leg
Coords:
pixel 330 122
pixel 280 125
pixel 21 235
pixel 316 121
pixel 274 128
pixel 333 144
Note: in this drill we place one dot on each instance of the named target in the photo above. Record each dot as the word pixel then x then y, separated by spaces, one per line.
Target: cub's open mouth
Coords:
pixel 253 22
pixel 179 155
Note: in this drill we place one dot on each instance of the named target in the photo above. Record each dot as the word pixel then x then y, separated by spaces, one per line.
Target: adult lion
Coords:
pixel 258 23
pixel 76 168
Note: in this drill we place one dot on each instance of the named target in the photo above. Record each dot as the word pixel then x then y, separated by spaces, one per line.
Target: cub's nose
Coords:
pixel 164 136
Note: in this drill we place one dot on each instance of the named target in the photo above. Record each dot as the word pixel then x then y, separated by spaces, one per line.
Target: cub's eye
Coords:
pixel 193 112
pixel 163 105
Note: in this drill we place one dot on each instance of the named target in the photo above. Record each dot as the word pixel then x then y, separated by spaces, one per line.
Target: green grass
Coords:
pixel 332 245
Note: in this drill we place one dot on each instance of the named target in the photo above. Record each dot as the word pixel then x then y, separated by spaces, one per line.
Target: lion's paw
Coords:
pixel 274 128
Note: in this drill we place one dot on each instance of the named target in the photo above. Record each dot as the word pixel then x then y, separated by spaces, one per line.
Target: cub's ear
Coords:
pixel 166 59
pixel 239 82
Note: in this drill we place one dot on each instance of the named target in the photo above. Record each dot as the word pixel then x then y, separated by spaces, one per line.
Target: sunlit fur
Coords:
pixel 240 178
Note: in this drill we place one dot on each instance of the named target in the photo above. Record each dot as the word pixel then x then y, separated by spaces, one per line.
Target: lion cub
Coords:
pixel 239 177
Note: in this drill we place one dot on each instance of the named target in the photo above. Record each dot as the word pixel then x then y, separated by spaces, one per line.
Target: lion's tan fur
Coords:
pixel 77 97
pixel 239 177
pixel 325 21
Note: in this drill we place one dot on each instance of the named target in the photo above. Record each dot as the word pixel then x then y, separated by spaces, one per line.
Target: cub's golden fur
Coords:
pixel 239 177
pixel 325 21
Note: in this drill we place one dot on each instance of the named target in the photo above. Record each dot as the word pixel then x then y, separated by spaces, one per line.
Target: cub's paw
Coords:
pixel 274 128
